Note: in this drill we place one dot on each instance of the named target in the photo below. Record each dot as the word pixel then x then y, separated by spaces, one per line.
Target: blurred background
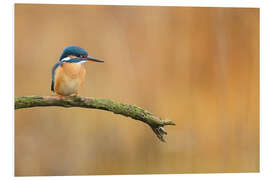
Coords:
pixel 196 66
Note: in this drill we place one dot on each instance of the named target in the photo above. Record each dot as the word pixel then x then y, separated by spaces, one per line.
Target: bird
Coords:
pixel 68 74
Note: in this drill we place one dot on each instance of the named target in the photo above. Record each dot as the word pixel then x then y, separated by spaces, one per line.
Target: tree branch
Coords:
pixel 137 113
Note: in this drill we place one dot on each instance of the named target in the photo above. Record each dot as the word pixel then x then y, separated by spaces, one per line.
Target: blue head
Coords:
pixel 77 54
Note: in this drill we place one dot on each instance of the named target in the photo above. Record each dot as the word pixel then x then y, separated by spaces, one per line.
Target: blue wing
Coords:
pixel 74 60
pixel 53 73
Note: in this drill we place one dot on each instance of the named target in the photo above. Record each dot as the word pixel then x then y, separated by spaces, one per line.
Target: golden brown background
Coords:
pixel 196 66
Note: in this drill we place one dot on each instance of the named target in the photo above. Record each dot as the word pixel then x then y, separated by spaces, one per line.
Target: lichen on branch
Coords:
pixel 132 111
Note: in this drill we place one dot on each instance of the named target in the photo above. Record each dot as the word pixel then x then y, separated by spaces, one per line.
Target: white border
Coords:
pixel 6 154
pixel 208 3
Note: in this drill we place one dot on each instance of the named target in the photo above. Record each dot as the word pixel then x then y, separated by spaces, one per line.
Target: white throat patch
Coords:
pixel 81 62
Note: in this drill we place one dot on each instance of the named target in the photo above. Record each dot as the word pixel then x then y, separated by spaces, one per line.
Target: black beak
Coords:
pixel 94 59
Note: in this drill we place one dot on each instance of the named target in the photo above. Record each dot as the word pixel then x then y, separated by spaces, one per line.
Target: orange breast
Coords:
pixel 69 78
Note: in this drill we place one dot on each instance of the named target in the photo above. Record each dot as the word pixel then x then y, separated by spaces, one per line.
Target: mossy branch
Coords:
pixel 137 113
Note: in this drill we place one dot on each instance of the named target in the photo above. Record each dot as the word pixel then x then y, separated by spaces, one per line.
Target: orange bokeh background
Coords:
pixel 196 66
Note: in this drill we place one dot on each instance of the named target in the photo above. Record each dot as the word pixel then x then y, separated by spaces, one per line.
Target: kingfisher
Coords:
pixel 68 74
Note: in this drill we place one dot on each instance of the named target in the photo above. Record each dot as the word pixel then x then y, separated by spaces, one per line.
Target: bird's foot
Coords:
pixel 59 97
pixel 74 94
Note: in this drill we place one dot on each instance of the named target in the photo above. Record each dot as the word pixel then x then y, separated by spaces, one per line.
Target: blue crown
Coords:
pixel 74 51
